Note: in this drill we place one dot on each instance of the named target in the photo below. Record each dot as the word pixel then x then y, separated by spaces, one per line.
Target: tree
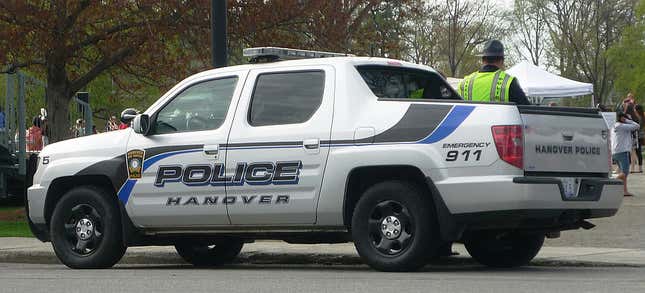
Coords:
pixel 467 24
pixel 628 57
pixel 71 43
pixel 531 27
pixel 422 36
pixel 582 32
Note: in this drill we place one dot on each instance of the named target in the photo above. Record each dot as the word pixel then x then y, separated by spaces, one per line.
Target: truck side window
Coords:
pixel 405 83
pixel 202 106
pixel 286 98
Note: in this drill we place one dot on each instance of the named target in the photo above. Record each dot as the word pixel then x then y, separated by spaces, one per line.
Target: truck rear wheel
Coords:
pixel 220 253
pixel 85 229
pixel 394 227
pixel 504 250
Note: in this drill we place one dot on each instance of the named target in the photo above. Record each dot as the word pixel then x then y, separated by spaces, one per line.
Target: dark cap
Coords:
pixel 493 48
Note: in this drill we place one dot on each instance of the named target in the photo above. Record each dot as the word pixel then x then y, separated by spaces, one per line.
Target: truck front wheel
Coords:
pixel 394 228
pixel 85 229
pixel 504 249
pixel 220 253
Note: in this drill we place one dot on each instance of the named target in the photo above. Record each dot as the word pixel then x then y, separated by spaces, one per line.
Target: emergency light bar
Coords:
pixel 270 54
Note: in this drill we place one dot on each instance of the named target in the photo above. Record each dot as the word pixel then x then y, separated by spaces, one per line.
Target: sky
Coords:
pixel 507 3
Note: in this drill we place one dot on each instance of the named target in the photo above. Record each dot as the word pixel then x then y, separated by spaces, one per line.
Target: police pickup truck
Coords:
pixel 376 151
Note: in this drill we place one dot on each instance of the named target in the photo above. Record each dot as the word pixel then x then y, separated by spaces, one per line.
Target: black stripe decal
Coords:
pixel 115 169
pixel 417 123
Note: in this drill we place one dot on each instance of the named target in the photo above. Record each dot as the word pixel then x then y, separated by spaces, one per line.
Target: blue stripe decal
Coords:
pixel 149 162
pixel 458 114
pixel 126 189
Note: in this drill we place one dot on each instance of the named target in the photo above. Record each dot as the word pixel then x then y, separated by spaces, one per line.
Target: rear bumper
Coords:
pixel 515 202
pixel 476 194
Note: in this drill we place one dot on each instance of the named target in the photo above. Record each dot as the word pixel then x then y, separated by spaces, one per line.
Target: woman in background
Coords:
pixel 621 145
pixel 630 110
pixel 35 136
pixel 641 137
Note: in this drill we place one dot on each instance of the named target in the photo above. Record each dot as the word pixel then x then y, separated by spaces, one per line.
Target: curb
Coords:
pixel 262 258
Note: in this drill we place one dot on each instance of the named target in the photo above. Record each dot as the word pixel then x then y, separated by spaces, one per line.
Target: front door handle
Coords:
pixel 311 144
pixel 211 150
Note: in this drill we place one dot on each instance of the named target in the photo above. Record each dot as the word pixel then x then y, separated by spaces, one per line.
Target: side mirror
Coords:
pixel 141 124
pixel 128 114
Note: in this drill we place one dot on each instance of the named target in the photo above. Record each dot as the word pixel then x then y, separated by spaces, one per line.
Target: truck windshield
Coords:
pixel 405 83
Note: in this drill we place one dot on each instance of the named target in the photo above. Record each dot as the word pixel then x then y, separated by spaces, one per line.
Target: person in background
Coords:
pixel 44 126
pixel 621 145
pixel 628 100
pixel 2 127
pixel 79 128
pixel 630 110
pixel 112 124
pixel 35 136
pixel 2 119
pixel 640 137
pixel 124 124
pixel 94 131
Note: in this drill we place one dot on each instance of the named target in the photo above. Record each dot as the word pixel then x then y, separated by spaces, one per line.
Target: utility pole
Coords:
pixel 218 33
pixel 22 151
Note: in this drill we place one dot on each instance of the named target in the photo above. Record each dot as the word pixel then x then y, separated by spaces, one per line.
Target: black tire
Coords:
pixel 104 247
pixel 221 253
pixel 407 250
pixel 504 250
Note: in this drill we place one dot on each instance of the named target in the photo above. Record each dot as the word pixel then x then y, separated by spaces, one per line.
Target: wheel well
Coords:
pixel 62 185
pixel 360 179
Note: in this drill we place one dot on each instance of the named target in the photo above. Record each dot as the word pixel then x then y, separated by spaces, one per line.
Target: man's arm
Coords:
pixel 629 126
pixel 516 94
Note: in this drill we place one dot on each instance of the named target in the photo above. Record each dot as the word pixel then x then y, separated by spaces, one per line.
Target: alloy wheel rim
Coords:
pixel 83 229
pixel 391 228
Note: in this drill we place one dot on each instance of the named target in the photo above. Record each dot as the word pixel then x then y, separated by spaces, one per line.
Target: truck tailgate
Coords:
pixel 565 140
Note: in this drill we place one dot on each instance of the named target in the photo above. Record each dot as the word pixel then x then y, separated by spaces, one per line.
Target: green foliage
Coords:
pixel 628 57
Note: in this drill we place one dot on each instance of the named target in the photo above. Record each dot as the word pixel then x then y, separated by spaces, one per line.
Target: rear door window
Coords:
pixel 286 97
pixel 405 83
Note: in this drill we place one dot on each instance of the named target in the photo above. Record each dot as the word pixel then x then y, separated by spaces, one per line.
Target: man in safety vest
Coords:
pixel 491 83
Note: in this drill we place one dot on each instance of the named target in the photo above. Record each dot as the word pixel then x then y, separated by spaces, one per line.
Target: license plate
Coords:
pixel 570 187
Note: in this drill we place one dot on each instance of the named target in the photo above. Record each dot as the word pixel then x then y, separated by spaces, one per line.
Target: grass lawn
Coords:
pixel 15 229
pixel 13 222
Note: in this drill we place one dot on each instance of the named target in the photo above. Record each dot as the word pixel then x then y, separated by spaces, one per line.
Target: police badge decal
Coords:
pixel 135 163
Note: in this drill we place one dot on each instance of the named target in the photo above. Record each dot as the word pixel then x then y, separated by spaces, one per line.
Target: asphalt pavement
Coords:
pixel 317 278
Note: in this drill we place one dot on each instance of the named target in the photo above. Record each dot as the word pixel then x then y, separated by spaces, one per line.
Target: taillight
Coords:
pixel 510 144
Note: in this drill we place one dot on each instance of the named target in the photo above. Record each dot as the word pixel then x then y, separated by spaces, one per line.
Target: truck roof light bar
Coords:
pixel 272 54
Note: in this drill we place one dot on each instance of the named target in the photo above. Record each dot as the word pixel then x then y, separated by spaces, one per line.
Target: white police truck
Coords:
pixel 304 149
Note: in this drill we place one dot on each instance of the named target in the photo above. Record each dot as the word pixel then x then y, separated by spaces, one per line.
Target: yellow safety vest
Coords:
pixel 486 86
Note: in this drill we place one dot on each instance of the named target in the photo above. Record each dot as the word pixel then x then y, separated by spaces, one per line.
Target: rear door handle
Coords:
pixel 211 150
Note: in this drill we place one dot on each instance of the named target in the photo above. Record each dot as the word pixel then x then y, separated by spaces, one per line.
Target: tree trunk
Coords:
pixel 58 108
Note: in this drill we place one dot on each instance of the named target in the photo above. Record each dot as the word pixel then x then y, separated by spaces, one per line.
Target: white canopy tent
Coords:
pixel 537 82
